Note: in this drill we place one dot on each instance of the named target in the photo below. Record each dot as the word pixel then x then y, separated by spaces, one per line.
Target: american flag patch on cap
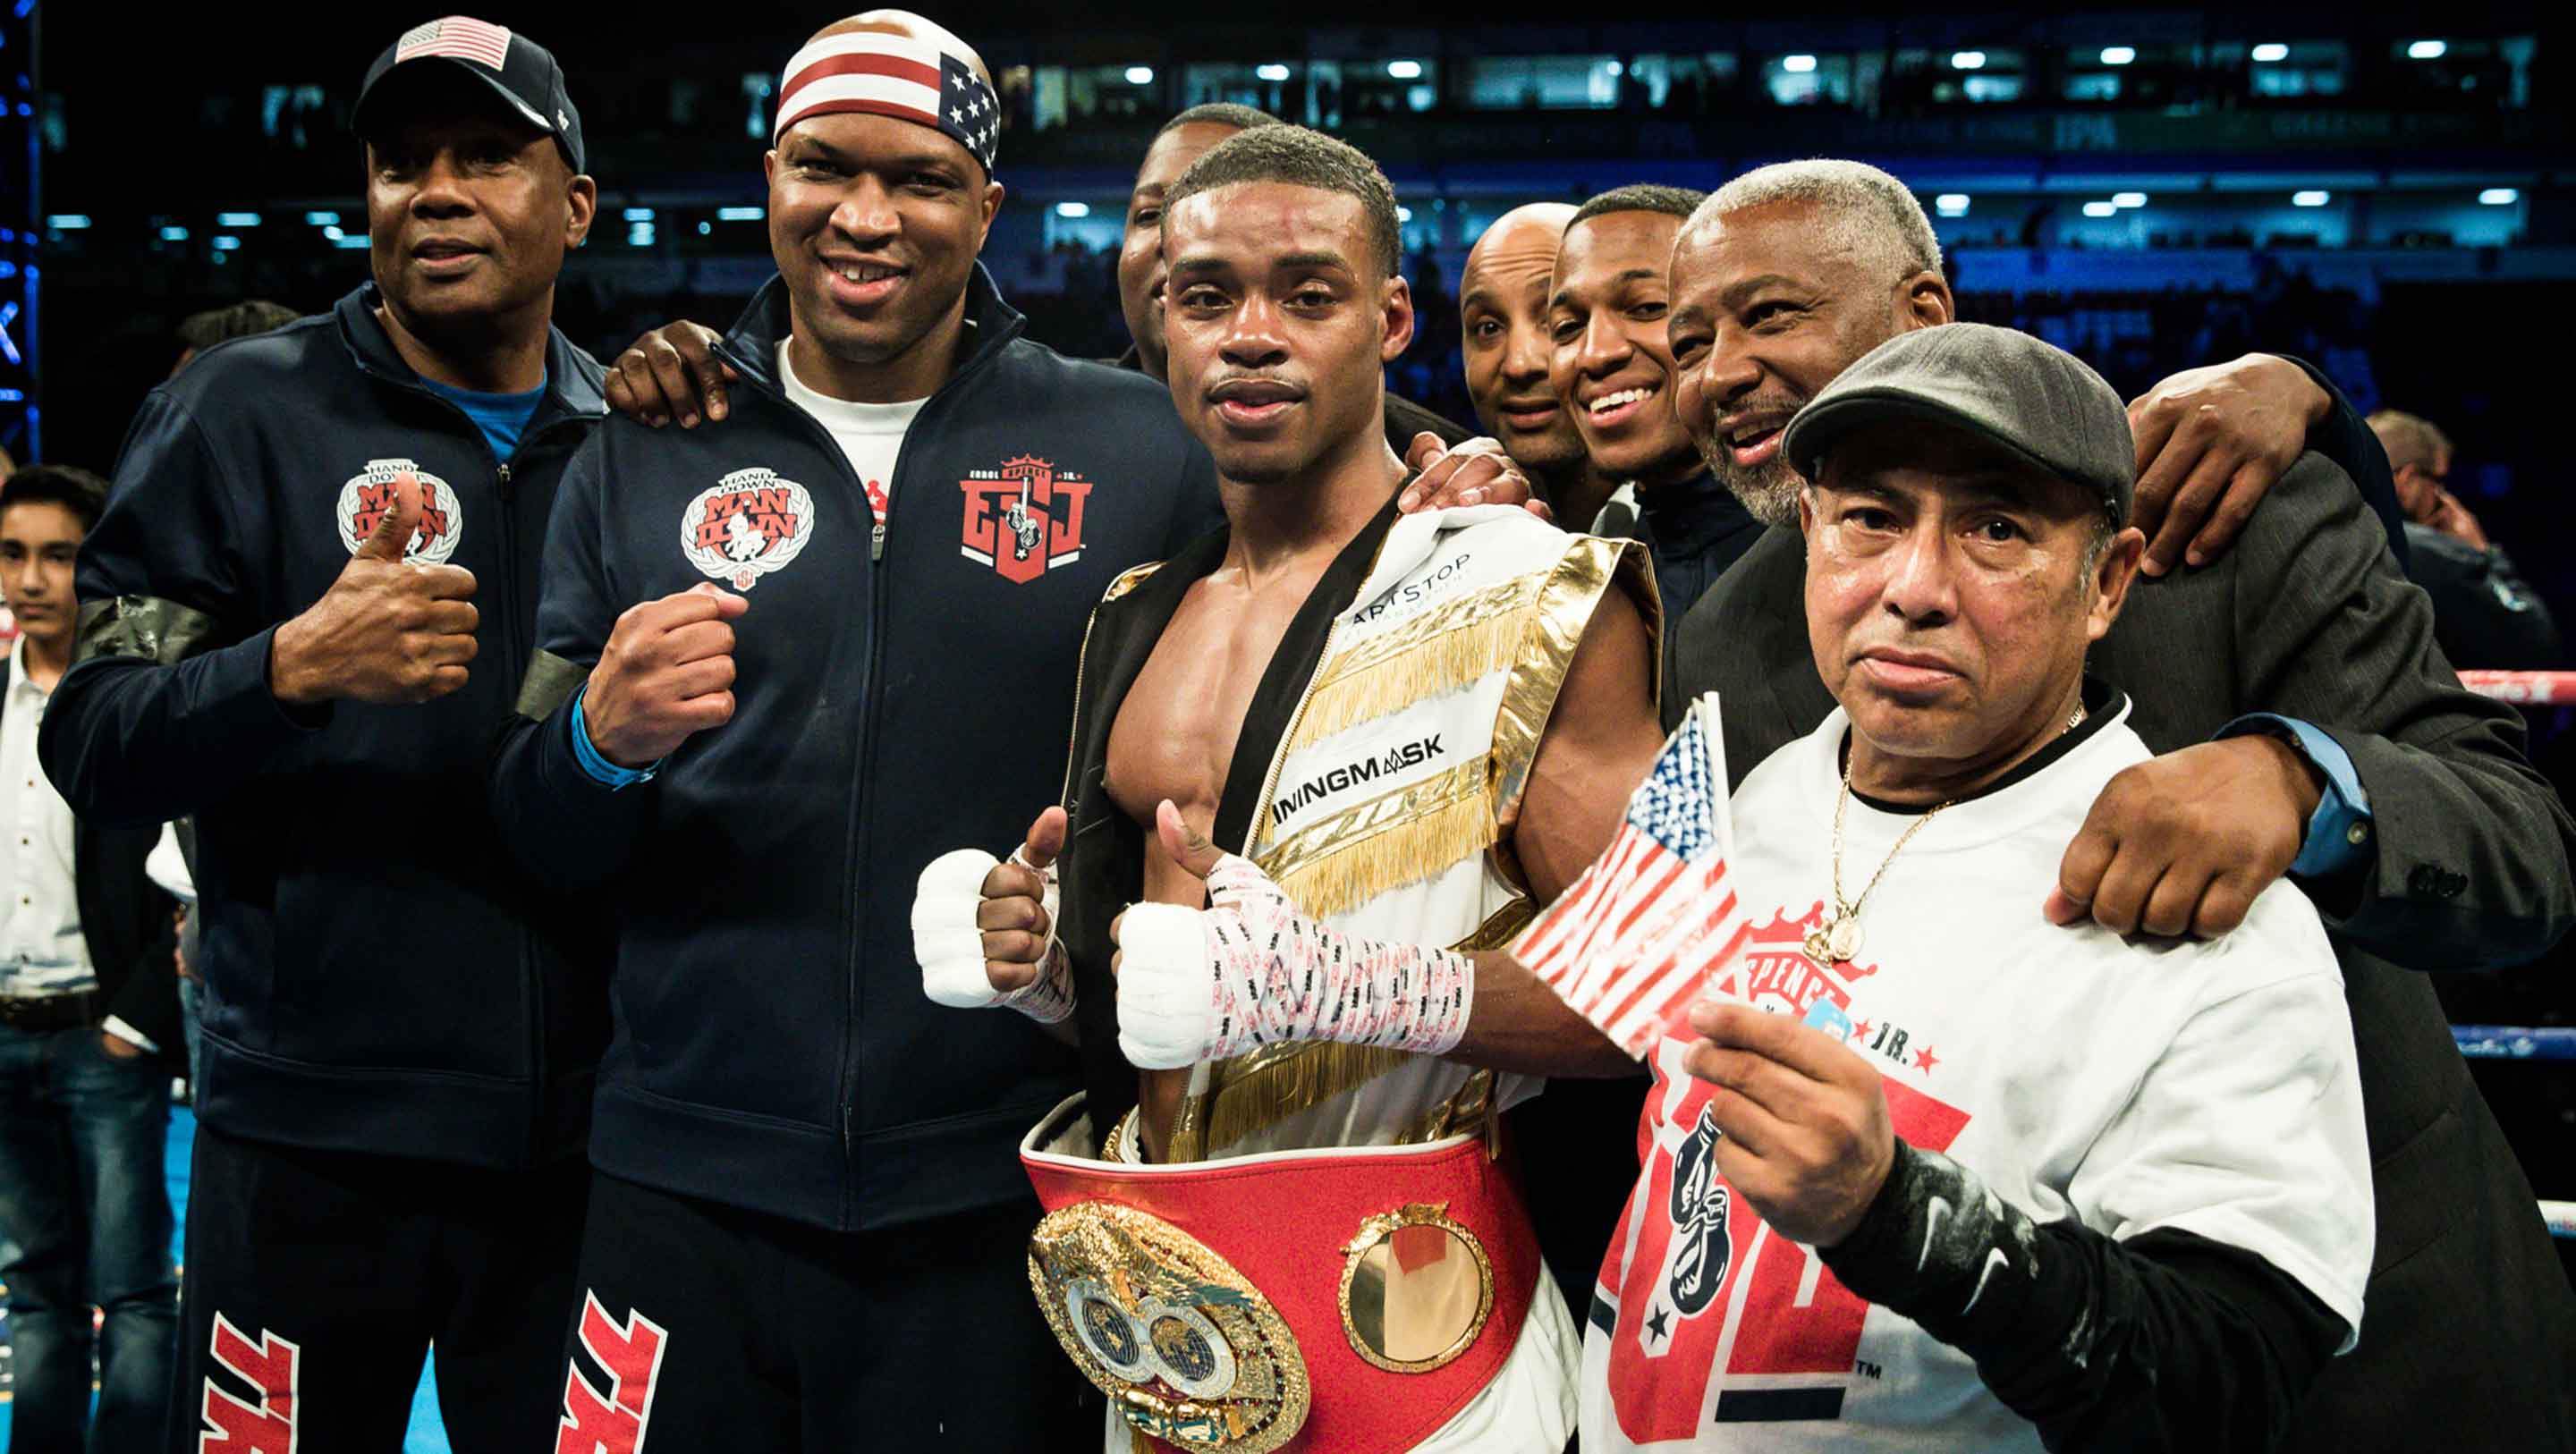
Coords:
pixel 460 36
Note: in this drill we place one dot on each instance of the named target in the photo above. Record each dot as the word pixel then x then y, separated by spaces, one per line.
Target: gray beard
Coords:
pixel 1769 493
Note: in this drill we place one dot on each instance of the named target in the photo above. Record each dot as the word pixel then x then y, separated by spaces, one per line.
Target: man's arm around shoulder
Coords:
pixel 2467 848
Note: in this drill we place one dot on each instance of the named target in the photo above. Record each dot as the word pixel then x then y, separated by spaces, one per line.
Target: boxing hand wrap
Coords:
pixel 951 948
pixel 1251 970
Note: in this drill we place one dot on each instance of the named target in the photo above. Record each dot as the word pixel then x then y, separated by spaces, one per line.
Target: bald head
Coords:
pixel 1502 303
pixel 1523 230
pixel 910 26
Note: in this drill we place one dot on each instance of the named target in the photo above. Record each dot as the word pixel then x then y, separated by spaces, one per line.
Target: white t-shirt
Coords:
pixel 2209 1087
pixel 870 435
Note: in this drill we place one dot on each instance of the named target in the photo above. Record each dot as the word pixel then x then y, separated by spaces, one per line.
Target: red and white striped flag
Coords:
pixel 461 36
pixel 1653 920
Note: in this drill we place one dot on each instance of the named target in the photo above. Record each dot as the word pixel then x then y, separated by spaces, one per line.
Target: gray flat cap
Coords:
pixel 2034 399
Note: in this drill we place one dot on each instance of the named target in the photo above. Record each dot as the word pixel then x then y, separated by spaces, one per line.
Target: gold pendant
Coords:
pixel 1835 941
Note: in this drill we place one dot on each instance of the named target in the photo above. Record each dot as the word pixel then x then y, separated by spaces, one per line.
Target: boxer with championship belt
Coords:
pixel 1299 1235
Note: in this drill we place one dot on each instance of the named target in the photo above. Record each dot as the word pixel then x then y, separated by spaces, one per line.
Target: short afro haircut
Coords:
pixel 1221 113
pixel 1300 158
pixel 1678 202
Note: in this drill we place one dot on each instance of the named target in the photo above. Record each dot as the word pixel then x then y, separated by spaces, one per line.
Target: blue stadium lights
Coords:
pixel 1968 60
pixel 2101 209
pixel 1951 204
pixel 2310 199
pixel 2499 196
pixel 1140 75
pixel 706 229
pixel 349 243
pixel 332 234
pixel 740 214
pixel 2118 55
pixel 1404 214
pixel 1798 65
pixel 1073 209
pixel 2270 53
pixel 639 214
pixel 67 222
pixel 174 234
pixel 640 235
pixel 323 219
pixel 2126 200
pixel 2427 50
pixel 1271 71
pixel 223 243
pixel 1404 70
pixel 237 219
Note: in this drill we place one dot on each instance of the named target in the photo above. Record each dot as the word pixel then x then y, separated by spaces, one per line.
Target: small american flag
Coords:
pixel 1638 936
pixel 461 36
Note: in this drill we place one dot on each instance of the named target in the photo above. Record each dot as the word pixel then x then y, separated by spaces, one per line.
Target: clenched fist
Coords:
pixel 386 631
pixel 665 675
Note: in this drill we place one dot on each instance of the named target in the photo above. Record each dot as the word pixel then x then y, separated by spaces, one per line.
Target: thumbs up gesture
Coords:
pixel 386 631
pixel 1251 969
pixel 984 928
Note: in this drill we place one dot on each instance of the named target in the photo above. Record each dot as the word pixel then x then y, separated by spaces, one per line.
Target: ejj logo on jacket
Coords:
pixel 748 524
pixel 264 1423
pixel 1024 519
pixel 370 493
pixel 630 1353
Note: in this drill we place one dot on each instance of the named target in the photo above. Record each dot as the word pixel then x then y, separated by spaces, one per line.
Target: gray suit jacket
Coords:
pixel 2468 1329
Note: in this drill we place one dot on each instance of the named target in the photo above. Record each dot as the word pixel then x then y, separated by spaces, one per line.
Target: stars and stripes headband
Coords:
pixel 891 75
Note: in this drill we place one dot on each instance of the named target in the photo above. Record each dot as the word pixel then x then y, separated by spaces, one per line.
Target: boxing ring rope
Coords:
pixel 2528 688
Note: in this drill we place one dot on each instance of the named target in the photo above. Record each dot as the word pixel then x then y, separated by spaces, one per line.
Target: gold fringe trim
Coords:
pixel 1428 657
pixel 1243 1104
pixel 1385 861
pixel 1565 606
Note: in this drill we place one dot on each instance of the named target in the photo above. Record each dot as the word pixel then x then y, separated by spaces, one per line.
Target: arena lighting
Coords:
pixel 740 214
pixel 2118 55
pixel 2100 209
pixel 2128 199
pixel 1271 71
pixel 332 234
pixel 706 229
pixel 1404 70
pixel 639 214
pixel 174 234
pixel 2271 52
pixel 2427 50
pixel 1073 209
pixel 1404 214
pixel 1798 65
pixel 1616 69
pixel 1140 75
pixel 223 244
pixel 1951 204
pixel 1968 60
pixel 323 219
pixel 237 219
pixel 346 244
pixel 67 222
pixel 2310 199
pixel 2499 196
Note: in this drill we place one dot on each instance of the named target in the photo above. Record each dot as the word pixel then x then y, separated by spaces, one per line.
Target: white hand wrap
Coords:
pixel 1251 970
pixel 951 948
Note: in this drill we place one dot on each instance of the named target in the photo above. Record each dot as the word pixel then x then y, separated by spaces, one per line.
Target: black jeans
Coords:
pixel 707 1329
pixel 318 1279
pixel 83 1136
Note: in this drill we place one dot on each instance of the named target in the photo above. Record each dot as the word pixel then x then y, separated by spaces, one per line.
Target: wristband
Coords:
pixel 1250 970
pixel 607 774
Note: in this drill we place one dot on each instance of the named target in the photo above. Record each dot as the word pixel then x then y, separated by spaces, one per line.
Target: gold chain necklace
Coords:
pixel 1837 939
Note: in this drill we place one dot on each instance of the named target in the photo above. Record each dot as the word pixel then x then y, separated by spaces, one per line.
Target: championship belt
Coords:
pixel 1344 1300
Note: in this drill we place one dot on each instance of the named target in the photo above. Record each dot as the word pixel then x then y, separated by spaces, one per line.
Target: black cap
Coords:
pixel 2032 398
pixel 522 73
